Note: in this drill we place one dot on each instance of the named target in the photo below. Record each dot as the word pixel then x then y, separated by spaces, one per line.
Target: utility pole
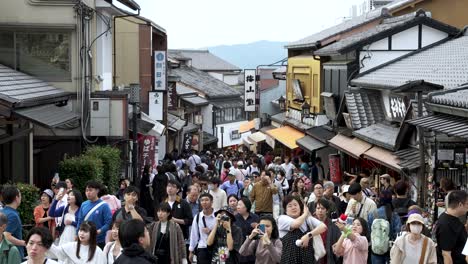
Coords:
pixel 134 100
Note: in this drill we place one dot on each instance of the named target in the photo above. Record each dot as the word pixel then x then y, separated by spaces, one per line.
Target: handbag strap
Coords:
pixel 423 253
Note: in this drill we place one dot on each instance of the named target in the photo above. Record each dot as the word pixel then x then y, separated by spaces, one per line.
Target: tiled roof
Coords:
pixel 18 89
pixel 445 64
pixel 387 27
pixel 458 98
pixel 454 126
pixel 204 83
pixel 364 108
pixel 348 25
pixel 379 134
pixel 203 60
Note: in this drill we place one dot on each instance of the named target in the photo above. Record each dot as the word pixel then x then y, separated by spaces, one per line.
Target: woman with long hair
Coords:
pixel 353 243
pixel 84 250
pixel 167 240
pixel 329 237
pixel 299 188
pixel 296 229
pixel 264 242
pixel 68 214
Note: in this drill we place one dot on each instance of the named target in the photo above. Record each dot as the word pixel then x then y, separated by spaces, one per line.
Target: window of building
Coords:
pixel 228 115
pixel 45 55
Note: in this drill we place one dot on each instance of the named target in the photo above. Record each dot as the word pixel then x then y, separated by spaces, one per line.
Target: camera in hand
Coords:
pixel 225 218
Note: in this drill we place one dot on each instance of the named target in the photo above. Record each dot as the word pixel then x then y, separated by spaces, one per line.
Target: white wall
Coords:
pixel 378 57
pixel 228 128
pixel 431 35
pixel 405 40
pixel 216 75
pixel 104 54
pixel 207 112
pixel 231 79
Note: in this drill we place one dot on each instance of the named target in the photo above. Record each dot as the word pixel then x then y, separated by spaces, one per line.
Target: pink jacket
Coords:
pixel 354 251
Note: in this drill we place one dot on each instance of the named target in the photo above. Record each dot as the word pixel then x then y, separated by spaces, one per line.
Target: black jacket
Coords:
pixel 135 254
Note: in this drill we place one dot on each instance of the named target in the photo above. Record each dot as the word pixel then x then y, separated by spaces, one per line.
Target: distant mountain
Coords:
pixel 249 56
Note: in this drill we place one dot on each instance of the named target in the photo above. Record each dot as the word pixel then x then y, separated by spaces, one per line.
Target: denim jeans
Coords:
pixel 380 259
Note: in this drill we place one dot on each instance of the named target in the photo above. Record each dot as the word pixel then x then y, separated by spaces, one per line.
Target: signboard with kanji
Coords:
pixel 159 70
pixel 335 168
pixel 147 154
pixel 397 107
pixel 156 104
pixel 250 91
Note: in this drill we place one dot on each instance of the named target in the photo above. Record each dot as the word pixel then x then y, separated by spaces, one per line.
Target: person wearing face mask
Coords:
pixel 413 247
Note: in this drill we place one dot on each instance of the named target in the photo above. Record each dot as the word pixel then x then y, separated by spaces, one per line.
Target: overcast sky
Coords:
pixel 205 23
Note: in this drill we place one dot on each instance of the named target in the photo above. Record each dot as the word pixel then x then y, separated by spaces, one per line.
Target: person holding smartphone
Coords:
pixel 225 238
pixel 264 242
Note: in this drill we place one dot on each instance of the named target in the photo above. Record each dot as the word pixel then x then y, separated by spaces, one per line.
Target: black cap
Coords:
pixel 354 188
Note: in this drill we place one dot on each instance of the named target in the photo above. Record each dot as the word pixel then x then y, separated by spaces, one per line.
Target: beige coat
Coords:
pixel 176 241
pixel 397 253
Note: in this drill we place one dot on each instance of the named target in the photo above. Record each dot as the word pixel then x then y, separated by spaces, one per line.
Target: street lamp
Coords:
pixel 305 110
pixel 282 103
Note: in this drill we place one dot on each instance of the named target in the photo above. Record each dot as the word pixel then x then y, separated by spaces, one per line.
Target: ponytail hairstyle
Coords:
pixel 90 227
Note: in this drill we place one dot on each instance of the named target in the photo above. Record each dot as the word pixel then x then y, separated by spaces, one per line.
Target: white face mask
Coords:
pixel 416 229
pixel 210 187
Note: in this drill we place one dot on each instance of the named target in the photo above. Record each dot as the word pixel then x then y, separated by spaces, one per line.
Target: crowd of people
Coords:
pixel 234 207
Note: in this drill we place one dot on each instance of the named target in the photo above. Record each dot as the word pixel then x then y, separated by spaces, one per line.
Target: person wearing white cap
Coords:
pixel 41 212
pixel 413 247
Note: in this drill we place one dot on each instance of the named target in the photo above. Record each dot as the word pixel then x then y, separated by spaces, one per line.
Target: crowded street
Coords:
pixel 242 132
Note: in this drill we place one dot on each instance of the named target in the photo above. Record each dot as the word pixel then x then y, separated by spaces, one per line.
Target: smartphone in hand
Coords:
pixel 261 227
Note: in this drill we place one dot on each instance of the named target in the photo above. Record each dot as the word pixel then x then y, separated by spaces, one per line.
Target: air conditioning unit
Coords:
pixel 107 117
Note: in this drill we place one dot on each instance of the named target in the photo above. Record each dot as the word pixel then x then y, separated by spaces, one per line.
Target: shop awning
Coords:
pixel 247 142
pixel 48 115
pixel 257 137
pixel 279 118
pixel 310 144
pixel 246 126
pixel 320 133
pixel 454 126
pixel 195 100
pixel 286 135
pixel 157 129
pixel 352 146
pixel 384 157
pixel 409 158
pixel 174 122
pixel 208 139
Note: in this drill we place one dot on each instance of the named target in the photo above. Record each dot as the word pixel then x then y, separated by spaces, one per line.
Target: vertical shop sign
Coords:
pixel 250 90
pixel 335 169
pixel 187 143
pixel 147 147
pixel 160 70
pixel 156 103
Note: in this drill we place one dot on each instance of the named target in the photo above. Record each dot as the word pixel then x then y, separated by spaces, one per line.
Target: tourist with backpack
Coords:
pixel 384 225
pixel 232 186
pixel 413 247
pixel 402 202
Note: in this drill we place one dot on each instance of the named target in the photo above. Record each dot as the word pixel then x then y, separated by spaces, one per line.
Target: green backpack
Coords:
pixel 380 235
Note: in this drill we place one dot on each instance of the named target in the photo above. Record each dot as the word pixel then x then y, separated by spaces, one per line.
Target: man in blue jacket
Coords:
pixel 96 211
